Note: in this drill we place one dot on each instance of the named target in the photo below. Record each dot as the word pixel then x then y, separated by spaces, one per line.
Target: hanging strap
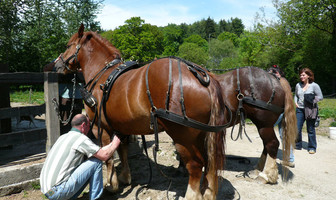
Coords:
pixel 240 113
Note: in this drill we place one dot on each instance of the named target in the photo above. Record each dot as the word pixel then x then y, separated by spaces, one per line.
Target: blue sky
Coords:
pixel 162 12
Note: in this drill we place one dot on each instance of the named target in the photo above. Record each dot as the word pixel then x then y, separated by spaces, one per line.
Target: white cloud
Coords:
pixel 113 16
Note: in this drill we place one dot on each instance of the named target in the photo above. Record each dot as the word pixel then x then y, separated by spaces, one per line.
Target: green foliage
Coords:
pixel 249 48
pixel 138 41
pixel 35 32
pixel 197 39
pixel 333 124
pixel 36 185
pixel 228 36
pixel 173 37
pixel 222 53
pixel 194 53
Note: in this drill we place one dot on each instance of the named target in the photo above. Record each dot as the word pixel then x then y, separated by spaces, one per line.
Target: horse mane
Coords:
pixel 106 43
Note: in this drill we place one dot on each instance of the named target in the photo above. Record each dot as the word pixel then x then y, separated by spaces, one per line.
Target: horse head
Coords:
pixel 85 48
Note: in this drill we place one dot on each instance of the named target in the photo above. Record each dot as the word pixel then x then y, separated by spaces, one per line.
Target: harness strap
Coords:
pixel 100 73
pixel 273 90
pixel 185 121
pixel 181 90
pixel 239 114
pixel 262 104
pixel 251 83
pixel 169 84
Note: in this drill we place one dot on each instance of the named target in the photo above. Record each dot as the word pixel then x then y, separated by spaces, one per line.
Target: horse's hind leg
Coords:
pixel 267 163
pixel 195 173
pixel 208 185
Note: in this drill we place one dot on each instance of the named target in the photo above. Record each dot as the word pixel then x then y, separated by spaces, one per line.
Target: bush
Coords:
pixel 327 108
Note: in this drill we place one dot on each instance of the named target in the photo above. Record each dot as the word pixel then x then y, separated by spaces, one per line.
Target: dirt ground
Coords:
pixel 314 176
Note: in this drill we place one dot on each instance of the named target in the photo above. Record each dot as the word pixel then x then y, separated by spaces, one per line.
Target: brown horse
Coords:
pixel 141 91
pixel 254 87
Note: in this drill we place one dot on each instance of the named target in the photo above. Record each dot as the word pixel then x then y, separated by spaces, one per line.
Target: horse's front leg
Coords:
pixel 112 184
pixel 125 174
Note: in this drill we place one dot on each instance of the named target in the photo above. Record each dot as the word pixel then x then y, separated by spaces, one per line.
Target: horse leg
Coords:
pixel 271 144
pixel 112 184
pixel 208 184
pixel 125 174
pixel 195 172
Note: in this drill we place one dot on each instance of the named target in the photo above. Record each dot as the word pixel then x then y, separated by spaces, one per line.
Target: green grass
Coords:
pixel 27 96
pixel 327 108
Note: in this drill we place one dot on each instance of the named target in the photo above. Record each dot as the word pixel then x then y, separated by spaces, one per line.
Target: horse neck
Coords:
pixel 94 63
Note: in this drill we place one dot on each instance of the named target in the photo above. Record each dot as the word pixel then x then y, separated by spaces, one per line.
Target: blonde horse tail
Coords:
pixel 216 141
pixel 289 123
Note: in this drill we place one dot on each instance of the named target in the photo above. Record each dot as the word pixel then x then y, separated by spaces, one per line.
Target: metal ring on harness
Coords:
pixel 240 96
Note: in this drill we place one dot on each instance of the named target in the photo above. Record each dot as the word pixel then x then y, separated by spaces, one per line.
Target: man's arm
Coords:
pixel 107 151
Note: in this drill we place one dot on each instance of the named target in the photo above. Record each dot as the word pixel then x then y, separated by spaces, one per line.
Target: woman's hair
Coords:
pixel 309 72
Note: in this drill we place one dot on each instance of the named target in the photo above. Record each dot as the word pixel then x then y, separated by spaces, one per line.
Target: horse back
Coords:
pixel 129 104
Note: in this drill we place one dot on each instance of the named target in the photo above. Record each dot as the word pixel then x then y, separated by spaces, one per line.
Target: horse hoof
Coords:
pixel 112 189
pixel 261 180
pixel 253 174
pixel 124 180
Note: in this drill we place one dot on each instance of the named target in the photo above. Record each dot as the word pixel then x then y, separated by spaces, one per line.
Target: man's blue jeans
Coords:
pixel 312 144
pixel 279 123
pixel 89 171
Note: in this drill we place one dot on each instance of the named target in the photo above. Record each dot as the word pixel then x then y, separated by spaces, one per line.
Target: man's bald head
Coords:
pixel 78 120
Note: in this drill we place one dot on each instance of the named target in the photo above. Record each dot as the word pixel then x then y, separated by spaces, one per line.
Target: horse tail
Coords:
pixel 216 141
pixel 289 123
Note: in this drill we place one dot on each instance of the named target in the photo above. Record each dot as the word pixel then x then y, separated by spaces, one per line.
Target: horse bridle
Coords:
pixel 73 56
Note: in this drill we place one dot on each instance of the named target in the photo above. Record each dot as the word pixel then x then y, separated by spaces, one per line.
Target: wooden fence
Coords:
pixel 52 130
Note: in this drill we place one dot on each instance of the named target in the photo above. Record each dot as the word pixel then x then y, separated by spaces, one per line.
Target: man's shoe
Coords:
pixel 289 164
pixel 312 151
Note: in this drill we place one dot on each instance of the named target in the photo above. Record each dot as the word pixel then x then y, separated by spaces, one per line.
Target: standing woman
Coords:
pixel 307 94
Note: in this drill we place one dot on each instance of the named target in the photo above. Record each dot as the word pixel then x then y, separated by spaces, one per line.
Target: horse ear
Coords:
pixel 81 31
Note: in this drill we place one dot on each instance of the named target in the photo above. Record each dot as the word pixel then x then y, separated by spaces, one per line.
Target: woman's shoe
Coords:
pixel 289 164
pixel 312 151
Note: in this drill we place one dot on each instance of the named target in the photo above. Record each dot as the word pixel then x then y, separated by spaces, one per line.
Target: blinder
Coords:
pixel 72 57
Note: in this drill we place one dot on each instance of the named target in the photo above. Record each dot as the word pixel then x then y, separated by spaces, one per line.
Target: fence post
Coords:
pixel 5 124
pixel 52 121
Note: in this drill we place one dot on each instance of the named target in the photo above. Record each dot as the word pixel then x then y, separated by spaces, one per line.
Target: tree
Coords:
pixel 310 25
pixel 10 28
pixel 37 31
pixel 193 53
pixel 137 40
pixel 219 51
pixel 237 26
pixel 210 28
pixel 173 35
pixel 197 39
pixel 224 26
pixel 249 48
pixel 228 36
